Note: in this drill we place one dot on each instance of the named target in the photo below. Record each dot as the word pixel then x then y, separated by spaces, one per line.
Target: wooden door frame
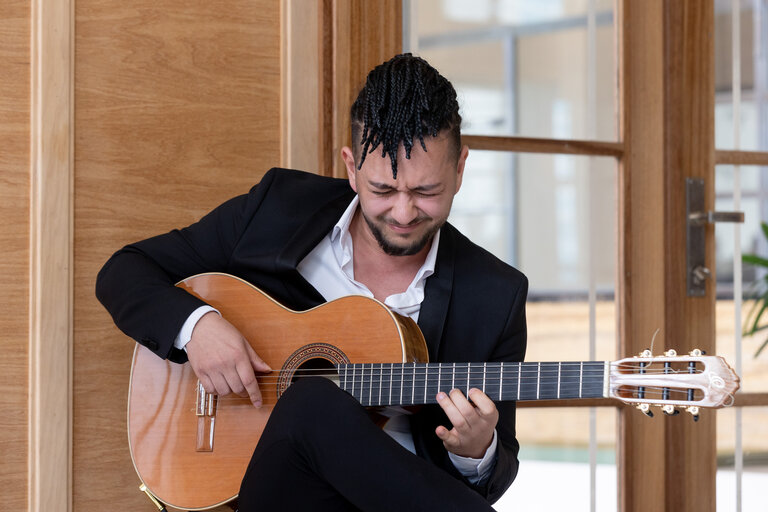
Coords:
pixel 51 256
pixel 667 127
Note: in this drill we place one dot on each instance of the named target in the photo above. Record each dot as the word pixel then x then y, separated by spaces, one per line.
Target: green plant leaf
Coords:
pixel 755 324
pixel 754 259
pixel 765 344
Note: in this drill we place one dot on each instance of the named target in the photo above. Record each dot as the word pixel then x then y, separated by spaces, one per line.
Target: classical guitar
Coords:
pixel 190 448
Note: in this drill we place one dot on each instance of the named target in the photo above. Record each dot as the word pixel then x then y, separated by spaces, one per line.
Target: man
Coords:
pixel 304 240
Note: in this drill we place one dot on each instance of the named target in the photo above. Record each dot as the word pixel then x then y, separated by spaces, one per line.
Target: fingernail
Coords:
pixel 257 404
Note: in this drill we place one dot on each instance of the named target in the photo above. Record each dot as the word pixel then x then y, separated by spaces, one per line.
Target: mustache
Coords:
pixel 417 220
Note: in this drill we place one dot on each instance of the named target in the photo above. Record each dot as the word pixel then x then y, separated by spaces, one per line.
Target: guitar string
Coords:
pixel 526 366
pixel 648 390
pixel 675 395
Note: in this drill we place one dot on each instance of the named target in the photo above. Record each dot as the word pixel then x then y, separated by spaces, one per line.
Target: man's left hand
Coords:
pixel 473 422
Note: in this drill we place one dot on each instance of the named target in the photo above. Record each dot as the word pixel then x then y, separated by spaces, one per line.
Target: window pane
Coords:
pixel 753 79
pixel 754 479
pixel 523 68
pixel 554 448
pixel 754 201
pixel 551 216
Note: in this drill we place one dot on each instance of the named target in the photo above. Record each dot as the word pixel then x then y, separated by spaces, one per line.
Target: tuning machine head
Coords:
pixel 645 409
pixel 669 410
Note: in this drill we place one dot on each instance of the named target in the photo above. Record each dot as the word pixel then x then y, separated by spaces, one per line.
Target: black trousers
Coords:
pixel 321 451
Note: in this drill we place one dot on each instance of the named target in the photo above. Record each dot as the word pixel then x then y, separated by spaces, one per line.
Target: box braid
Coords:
pixel 403 98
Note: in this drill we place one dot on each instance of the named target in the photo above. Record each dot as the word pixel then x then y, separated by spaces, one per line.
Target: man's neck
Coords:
pixel 382 273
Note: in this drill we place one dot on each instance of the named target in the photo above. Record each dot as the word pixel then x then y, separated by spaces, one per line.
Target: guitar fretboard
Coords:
pixel 379 384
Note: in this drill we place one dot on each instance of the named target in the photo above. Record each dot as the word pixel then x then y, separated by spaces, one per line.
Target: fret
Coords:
pixel 559 368
pixel 413 385
pixel 530 375
pixel 581 376
pixel 548 381
pixel 453 377
pixel 363 390
pixel 570 380
pixel 593 379
pixel 370 387
pixel 484 368
pixel 381 379
pixel 501 378
pixel 426 379
pixel 391 378
pixel 345 377
pixel 538 379
pixel 468 369
pixel 439 377
pixel 519 374
pixel 352 391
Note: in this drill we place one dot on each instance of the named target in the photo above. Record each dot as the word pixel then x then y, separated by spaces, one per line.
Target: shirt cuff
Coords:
pixel 476 470
pixel 185 334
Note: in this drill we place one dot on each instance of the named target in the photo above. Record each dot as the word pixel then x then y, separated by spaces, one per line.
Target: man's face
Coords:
pixel 404 214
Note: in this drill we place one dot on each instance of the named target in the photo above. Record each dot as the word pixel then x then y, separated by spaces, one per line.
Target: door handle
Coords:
pixel 696 220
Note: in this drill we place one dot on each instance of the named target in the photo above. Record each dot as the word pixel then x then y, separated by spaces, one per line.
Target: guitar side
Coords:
pixel 192 456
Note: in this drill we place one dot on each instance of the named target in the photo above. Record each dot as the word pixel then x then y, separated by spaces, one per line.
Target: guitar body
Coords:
pixel 191 450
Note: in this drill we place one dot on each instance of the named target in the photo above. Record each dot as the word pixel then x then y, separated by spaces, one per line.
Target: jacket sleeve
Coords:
pixel 137 284
pixel 508 345
pixel 511 348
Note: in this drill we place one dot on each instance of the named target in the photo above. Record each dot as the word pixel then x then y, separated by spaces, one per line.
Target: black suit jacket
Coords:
pixel 473 310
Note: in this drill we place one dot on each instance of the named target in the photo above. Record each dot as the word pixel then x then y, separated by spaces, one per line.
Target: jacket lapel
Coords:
pixel 306 238
pixel 437 294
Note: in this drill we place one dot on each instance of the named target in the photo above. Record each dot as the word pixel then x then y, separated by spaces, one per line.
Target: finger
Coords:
pixel 207 384
pixel 483 404
pixel 248 378
pixel 464 406
pixel 220 385
pixel 257 363
pixel 448 437
pixel 235 382
pixel 455 416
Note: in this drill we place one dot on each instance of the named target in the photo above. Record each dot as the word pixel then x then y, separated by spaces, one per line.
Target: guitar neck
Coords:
pixel 379 384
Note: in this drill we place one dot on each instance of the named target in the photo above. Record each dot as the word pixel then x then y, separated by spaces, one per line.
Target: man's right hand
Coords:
pixel 223 360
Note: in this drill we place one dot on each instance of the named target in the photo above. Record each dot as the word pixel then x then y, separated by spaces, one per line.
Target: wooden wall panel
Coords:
pixel 177 109
pixel 14 248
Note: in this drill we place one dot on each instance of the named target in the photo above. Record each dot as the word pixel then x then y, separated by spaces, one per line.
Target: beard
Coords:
pixel 408 249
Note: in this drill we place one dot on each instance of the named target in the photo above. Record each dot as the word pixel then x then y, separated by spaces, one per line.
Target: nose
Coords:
pixel 403 210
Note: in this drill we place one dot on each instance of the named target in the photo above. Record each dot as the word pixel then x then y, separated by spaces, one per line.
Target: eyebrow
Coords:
pixel 420 188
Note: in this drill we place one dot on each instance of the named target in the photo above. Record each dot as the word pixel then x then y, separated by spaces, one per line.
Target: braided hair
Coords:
pixel 403 98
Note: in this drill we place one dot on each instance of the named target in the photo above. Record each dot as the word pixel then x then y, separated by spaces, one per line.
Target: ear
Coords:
pixel 463 154
pixel 349 161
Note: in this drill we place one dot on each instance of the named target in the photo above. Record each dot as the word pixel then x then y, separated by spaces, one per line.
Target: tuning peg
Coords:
pixel 694 412
pixel 670 410
pixel 670 353
pixel 645 353
pixel 645 409
pixel 696 353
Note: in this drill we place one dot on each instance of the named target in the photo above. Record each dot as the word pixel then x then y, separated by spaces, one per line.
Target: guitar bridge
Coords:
pixel 205 410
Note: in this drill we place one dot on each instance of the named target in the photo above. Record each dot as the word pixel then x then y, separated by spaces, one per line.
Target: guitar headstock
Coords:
pixel 673 382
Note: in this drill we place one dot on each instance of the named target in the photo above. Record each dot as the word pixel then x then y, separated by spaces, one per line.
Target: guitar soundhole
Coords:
pixel 315 359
